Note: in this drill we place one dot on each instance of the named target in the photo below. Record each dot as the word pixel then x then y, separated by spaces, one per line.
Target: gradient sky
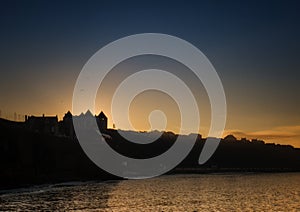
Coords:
pixel 254 46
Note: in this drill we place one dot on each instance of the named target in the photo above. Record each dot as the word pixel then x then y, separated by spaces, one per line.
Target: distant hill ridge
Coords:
pixel 30 157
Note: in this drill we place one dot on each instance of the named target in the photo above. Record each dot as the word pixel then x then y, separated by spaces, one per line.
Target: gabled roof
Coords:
pixel 102 115
pixel 68 114
pixel 88 113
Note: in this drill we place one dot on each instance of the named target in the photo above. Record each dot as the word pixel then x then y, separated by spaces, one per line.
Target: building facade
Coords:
pixel 50 124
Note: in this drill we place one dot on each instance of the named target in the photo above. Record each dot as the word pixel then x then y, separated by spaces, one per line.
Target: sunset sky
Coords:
pixel 254 47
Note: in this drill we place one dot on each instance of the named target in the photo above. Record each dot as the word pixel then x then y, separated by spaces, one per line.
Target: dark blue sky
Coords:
pixel 254 46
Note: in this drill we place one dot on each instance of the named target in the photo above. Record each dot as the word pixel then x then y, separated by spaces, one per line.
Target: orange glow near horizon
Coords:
pixel 250 124
pixel 287 134
pixel 249 112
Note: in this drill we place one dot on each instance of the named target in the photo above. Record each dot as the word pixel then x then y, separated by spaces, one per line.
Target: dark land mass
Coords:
pixel 29 158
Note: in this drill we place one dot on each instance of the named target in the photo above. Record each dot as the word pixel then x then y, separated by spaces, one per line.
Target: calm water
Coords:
pixel 219 192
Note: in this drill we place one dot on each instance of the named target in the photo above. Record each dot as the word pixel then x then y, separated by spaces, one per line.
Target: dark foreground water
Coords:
pixel 214 192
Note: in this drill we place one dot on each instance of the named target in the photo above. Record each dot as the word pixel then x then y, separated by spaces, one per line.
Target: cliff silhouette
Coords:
pixel 30 156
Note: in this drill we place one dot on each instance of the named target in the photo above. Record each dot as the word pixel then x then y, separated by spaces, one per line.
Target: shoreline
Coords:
pixel 177 171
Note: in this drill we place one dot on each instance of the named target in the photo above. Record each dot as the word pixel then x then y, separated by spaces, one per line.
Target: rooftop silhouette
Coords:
pixel 45 150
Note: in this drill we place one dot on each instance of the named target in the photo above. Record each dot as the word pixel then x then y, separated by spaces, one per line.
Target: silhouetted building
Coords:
pixel 85 121
pixel 50 124
pixel 43 124
pixel 102 121
pixel 67 125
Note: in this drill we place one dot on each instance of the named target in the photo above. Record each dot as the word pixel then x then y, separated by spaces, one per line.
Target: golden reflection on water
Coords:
pixel 218 192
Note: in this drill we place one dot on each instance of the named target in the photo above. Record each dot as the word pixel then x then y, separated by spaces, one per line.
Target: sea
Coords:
pixel 201 192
